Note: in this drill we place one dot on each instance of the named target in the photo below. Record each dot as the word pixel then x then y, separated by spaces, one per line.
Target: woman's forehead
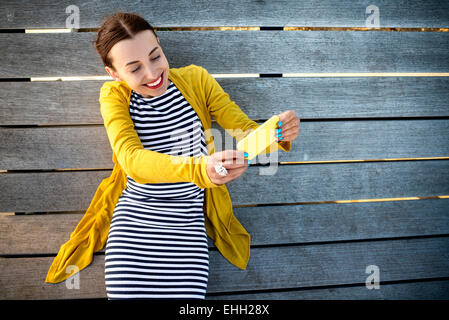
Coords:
pixel 134 49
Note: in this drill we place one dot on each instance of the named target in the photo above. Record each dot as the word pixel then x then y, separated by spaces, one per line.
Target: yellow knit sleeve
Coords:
pixel 142 165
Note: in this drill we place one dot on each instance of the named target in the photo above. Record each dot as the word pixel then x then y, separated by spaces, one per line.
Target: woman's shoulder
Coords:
pixel 191 72
pixel 115 89
pixel 189 69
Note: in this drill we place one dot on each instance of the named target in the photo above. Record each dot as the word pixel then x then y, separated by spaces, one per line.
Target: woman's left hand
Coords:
pixel 289 127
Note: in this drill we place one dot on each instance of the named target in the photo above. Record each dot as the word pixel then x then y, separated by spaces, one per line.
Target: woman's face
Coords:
pixel 140 62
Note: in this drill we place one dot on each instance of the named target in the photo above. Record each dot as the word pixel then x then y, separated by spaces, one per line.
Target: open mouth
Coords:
pixel 156 84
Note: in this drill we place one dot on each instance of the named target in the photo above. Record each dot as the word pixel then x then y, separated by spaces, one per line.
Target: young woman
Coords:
pixel 157 120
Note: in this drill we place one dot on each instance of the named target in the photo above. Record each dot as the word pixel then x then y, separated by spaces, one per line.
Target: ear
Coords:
pixel 112 73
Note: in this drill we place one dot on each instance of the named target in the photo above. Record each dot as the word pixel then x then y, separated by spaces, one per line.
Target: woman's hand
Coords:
pixel 290 125
pixel 233 160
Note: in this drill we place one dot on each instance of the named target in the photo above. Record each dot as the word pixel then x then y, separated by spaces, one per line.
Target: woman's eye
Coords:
pixel 139 66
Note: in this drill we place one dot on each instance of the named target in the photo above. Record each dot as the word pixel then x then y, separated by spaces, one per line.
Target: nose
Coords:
pixel 151 74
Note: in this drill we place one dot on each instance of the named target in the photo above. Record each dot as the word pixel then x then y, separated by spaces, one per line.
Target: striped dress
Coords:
pixel 157 244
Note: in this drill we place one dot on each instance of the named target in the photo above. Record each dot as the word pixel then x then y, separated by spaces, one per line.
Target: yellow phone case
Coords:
pixel 259 139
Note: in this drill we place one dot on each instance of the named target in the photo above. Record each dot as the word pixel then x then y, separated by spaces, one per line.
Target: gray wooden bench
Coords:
pixel 365 184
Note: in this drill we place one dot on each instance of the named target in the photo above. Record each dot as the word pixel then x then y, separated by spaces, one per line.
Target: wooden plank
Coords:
pixel 50 103
pixel 29 189
pixel 333 264
pixel 89 147
pixel 267 225
pixel 429 290
pixel 76 102
pixel 73 191
pixel 63 147
pixel 269 268
pixel 72 54
pixel 344 13
pixel 340 181
pixel 24 278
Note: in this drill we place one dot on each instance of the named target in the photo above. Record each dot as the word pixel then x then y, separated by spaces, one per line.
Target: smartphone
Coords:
pixel 258 140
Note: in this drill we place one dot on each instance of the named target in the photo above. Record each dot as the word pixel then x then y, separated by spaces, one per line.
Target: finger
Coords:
pixel 235 163
pixel 286 116
pixel 289 135
pixel 290 126
pixel 234 173
pixel 232 154
pixel 290 123
pixel 290 129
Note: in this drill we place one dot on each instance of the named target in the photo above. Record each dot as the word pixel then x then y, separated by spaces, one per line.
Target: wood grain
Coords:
pixel 344 13
pixel 88 147
pixel 269 268
pixel 76 102
pixel 352 89
pixel 73 191
pixel 429 290
pixel 72 54
pixel 267 225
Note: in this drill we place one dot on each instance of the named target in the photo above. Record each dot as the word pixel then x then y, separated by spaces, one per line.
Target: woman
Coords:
pixel 158 120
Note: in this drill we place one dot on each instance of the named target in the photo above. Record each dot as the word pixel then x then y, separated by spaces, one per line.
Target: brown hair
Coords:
pixel 117 27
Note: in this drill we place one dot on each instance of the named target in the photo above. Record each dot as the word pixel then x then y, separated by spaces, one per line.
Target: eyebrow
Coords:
pixel 132 62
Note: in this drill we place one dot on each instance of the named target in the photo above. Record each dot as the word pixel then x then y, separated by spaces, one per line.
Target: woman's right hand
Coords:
pixel 233 160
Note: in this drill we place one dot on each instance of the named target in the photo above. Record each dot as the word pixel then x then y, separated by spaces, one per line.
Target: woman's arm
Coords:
pixel 145 166
pixel 228 114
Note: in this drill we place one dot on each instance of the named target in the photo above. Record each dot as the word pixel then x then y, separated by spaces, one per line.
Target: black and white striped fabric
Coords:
pixel 157 243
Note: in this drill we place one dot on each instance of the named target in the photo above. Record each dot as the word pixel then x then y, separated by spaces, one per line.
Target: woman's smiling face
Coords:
pixel 141 63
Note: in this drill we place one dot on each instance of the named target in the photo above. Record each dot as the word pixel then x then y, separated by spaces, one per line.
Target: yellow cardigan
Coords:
pixel 208 99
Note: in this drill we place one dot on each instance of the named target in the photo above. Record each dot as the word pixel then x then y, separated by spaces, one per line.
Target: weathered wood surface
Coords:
pixel 295 266
pixel 76 102
pixel 89 147
pixel 73 191
pixel 72 54
pixel 313 251
pixel 267 225
pixel 343 13
pixel 429 290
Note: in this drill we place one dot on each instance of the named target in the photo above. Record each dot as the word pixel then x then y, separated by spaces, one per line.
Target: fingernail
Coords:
pixel 281 138
pixel 246 154
pixel 280 123
pixel 278 130
pixel 279 134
